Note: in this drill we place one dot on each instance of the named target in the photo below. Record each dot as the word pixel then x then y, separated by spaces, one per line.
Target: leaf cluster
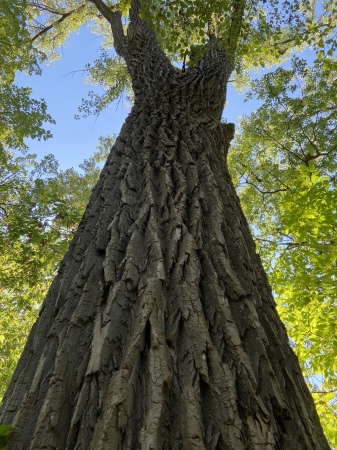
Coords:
pixel 5 431
pixel 112 76
pixel 17 52
pixel 20 115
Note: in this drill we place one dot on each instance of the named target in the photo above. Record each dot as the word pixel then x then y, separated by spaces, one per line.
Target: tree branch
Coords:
pixel 235 27
pixel 134 11
pixel 211 29
pixel 44 8
pixel 291 40
pixel 324 392
pixel 104 9
pixel 6 43
pixel 264 192
pixel 115 20
pixel 60 20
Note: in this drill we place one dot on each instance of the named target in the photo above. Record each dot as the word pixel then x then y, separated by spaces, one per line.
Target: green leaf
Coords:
pixel 5 431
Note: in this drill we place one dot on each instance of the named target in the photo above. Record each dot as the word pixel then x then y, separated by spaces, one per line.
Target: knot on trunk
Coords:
pixel 228 130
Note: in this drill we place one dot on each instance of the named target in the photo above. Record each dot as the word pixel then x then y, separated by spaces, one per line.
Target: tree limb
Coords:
pixel 115 20
pixel 262 191
pixel 235 27
pixel 104 9
pixel 44 8
pixel 60 20
pixel 6 43
pixel 324 392
pixel 134 11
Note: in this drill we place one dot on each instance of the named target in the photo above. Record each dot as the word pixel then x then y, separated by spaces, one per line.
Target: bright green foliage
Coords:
pixel 50 22
pixel 40 209
pixel 17 52
pixel 20 116
pixel 185 26
pixel 284 163
pixel 5 431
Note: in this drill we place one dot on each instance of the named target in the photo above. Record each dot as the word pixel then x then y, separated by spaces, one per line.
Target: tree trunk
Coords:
pixel 160 330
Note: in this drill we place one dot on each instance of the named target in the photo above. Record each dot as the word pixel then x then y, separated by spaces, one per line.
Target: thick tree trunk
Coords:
pixel 160 331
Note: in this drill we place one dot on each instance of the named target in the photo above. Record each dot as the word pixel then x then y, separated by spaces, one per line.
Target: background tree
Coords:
pixel 163 263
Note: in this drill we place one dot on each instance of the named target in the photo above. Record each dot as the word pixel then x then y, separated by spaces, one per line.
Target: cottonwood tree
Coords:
pixel 160 330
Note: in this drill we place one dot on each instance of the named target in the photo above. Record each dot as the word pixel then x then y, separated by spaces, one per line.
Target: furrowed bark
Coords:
pixel 160 330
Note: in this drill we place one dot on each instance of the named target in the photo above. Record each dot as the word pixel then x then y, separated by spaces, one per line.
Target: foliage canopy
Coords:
pixel 20 115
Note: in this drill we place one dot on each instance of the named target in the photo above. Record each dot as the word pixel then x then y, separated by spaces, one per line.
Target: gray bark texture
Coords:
pixel 160 330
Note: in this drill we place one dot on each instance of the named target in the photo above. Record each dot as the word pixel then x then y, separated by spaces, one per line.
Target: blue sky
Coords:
pixel 62 86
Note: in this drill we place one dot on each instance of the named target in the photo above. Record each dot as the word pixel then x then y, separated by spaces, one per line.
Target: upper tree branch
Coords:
pixel 141 25
pixel 235 27
pixel 60 20
pixel 134 11
pixel 211 29
pixel 115 20
pixel 44 8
